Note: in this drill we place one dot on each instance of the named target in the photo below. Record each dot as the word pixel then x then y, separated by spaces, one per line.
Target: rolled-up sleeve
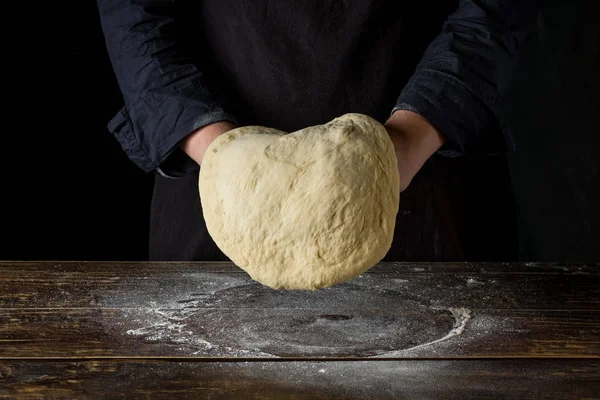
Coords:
pixel 165 94
pixel 458 84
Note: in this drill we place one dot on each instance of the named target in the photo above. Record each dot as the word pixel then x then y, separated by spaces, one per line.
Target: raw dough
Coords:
pixel 304 210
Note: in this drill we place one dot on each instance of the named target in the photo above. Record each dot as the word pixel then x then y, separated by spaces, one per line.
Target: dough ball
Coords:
pixel 304 210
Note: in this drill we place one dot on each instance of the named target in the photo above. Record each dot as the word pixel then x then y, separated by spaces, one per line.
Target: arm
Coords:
pixel 458 83
pixel 165 94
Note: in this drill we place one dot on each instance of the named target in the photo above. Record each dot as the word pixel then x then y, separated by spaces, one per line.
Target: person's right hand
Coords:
pixel 196 143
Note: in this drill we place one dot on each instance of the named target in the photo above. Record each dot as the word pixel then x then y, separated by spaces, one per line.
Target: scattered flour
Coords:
pixel 461 317
pixel 163 325
pixel 473 282
pixel 209 316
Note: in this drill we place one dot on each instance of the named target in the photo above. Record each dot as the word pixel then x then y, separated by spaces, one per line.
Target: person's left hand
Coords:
pixel 415 140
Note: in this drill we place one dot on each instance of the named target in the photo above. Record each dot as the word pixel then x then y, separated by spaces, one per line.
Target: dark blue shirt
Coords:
pixel 290 64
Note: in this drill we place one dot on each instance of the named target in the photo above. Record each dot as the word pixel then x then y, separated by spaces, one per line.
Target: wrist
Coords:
pixel 415 141
pixel 410 130
pixel 196 143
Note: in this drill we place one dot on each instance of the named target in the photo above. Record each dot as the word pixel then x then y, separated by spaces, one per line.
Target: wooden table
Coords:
pixel 206 330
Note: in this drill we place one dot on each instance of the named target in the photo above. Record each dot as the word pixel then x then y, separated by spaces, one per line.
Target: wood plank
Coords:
pixel 136 284
pixel 406 332
pixel 442 379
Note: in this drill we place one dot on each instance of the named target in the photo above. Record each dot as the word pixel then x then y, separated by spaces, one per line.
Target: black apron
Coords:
pixel 292 64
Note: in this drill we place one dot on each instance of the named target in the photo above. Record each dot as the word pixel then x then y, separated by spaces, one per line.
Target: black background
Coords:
pixel 70 193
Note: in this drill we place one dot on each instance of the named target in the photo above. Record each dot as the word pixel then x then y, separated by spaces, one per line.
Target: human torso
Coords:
pixel 290 64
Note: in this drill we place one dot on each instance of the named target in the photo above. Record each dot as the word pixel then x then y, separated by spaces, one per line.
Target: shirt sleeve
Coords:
pixel 458 84
pixel 165 94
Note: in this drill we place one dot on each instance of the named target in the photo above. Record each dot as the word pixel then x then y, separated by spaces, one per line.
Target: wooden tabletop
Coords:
pixel 206 330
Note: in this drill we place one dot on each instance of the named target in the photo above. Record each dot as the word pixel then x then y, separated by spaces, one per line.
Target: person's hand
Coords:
pixel 196 143
pixel 415 140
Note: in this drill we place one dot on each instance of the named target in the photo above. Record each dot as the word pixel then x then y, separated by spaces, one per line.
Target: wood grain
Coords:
pixel 214 310
pixel 299 333
pixel 417 379
pixel 164 330
pixel 138 284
